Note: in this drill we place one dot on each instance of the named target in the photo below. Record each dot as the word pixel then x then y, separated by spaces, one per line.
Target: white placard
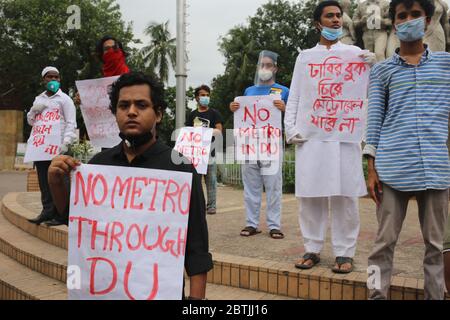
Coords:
pixel 100 123
pixel 257 128
pixel 195 144
pixel 127 233
pixel 45 139
pixel 333 92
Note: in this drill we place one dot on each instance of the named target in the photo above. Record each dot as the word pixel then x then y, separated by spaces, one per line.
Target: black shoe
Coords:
pixel 40 218
pixel 54 223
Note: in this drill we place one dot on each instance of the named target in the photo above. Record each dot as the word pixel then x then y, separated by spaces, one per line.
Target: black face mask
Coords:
pixel 136 141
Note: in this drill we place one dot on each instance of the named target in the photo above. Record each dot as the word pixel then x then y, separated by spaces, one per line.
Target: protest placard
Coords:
pixel 100 123
pixel 44 142
pixel 333 92
pixel 257 128
pixel 127 233
pixel 195 144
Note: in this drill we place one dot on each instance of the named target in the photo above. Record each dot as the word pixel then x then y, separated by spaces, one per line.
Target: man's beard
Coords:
pixel 135 141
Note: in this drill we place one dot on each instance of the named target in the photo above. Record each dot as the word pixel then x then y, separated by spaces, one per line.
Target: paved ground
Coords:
pixel 224 228
pixel 12 181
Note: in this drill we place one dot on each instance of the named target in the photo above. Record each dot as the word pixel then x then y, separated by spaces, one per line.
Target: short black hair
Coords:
pixel 426 5
pixel 319 9
pixel 157 91
pixel 202 87
pixel 99 46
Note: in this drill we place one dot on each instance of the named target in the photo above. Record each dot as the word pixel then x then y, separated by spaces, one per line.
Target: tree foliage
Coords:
pixel 34 34
pixel 160 54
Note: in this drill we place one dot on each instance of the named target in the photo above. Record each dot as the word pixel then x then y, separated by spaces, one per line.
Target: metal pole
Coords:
pixel 180 72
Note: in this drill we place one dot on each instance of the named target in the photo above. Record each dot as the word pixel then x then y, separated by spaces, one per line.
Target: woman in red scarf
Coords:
pixel 111 53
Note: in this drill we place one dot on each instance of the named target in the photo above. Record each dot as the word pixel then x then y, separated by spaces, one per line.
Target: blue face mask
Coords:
pixel 331 34
pixel 412 30
pixel 53 86
pixel 204 101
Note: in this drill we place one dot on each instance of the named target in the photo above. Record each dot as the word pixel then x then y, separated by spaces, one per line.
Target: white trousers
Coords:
pixel 313 220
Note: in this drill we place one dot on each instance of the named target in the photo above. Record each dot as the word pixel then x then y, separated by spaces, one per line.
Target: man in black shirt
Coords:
pixel 137 101
pixel 208 118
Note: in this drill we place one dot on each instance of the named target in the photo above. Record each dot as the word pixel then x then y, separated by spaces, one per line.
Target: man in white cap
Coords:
pixel 54 98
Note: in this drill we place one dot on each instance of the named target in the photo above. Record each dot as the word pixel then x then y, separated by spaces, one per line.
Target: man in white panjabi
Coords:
pixel 329 174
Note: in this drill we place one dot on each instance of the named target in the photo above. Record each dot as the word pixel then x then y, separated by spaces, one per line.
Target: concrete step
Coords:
pixel 31 252
pixel 18 282
pixel 18 215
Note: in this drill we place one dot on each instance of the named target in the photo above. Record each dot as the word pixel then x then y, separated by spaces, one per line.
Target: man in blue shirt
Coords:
pixel 409 104
pixel 254 176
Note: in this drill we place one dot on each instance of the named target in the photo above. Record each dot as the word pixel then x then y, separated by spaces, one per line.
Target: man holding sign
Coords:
pixel 53 118
pixel 137 102
pixel 324 119
pixel 207 117
pixel 255 176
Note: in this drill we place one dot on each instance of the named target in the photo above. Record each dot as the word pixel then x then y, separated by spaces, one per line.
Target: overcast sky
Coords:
pixel 207 21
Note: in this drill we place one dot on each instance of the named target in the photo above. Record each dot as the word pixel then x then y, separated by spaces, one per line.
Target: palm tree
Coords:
pixel 161 51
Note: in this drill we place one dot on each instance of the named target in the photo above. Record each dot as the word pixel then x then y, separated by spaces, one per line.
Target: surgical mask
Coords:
pixel 53 86
pixel 136 141
pixel 204 101
pixel 331 34
pixel 265 75
pixel 412 30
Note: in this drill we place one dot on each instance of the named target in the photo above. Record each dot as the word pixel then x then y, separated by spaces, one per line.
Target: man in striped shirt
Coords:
pixel 409 103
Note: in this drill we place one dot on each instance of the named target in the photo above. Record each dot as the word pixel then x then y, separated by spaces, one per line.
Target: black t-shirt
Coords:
pixel 159 156
pixel 208 119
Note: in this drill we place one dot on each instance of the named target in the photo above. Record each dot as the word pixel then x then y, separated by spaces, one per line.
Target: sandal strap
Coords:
pixel 248 229
pixel 311 256
pixel 341 260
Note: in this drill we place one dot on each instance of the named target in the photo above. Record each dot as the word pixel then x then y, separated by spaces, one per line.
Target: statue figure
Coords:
pixel 349 35
pixel 372 16
pixel 437 35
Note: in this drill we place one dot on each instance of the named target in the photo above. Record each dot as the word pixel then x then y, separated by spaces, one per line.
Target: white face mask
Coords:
pixel 265 75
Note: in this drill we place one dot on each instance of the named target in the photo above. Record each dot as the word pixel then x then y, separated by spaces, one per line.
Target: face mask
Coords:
pixel 136 141
pixel 204 101
pixel 265 75
pixel 53 86
pixel 331 34
pixel 411 30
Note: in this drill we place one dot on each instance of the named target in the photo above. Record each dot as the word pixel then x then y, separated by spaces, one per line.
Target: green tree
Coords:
pixel 161 52
pixel 280 26
pixel 34 34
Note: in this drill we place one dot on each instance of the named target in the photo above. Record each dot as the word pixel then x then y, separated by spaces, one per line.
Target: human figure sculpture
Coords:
pixel 437 35
pixel 349 34
pixel 372 16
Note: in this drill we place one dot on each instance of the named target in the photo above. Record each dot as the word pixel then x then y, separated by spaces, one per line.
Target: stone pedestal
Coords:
pixel 11 132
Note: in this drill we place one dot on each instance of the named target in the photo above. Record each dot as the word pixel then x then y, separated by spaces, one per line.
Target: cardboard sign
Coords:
pixel 195 144
pixel 127 233
pixel 45 139
pixel 257 128
pixel 333 94
pixel 100 123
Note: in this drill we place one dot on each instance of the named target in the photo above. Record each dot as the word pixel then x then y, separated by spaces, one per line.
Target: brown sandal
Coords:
pixel 314 257
pixel 249 231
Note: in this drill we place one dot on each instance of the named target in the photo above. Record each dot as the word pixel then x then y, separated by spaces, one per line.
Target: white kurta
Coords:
pixel 323 169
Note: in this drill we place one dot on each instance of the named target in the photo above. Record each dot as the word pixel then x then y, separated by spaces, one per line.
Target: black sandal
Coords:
pixel 249 231
pixel 276 234
pixel 314 257
pixel 340 261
